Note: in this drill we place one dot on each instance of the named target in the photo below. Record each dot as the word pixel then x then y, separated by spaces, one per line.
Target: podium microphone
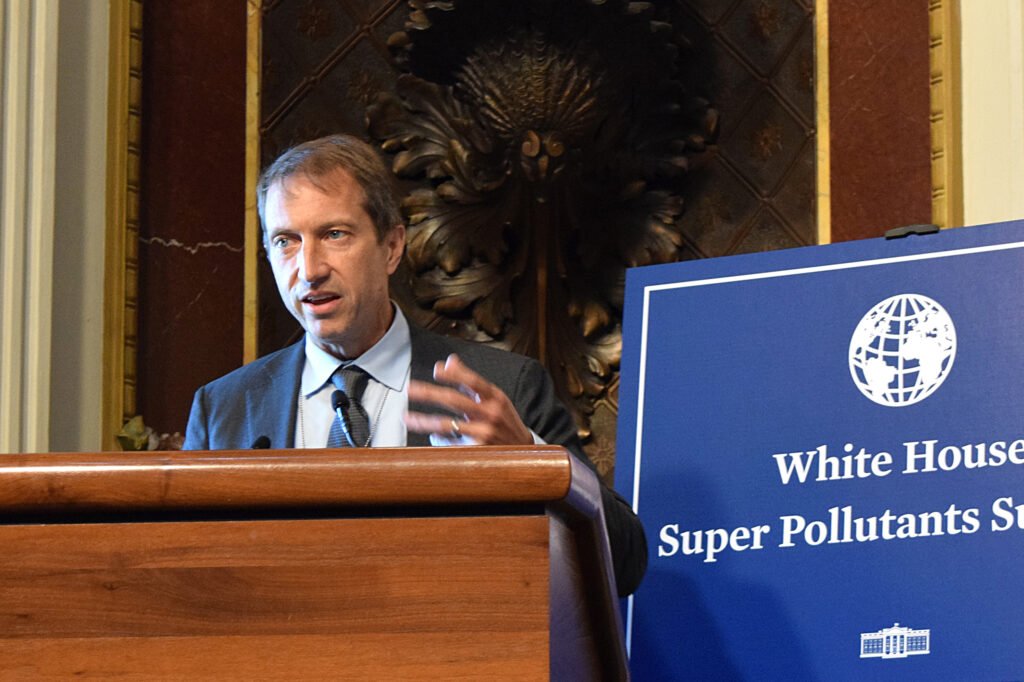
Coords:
pixel 261 443
pixel 340 403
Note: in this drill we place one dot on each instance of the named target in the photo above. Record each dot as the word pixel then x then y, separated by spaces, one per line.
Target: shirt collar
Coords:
pixel 387 361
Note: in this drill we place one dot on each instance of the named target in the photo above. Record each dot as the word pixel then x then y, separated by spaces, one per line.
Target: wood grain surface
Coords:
pixel 424 598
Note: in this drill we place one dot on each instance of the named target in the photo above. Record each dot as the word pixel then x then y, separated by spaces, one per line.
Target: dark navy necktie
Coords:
pixel 352 382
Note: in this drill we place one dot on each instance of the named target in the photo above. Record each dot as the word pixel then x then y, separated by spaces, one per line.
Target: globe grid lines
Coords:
pixel 902 350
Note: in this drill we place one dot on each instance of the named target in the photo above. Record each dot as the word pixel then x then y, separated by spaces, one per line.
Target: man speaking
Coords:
pixel 333 233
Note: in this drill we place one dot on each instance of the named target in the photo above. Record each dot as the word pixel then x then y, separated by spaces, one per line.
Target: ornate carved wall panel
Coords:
pixel 757 192
pixel 544 146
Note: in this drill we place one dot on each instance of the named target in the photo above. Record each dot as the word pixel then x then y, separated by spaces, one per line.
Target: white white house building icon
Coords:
pixel 895 642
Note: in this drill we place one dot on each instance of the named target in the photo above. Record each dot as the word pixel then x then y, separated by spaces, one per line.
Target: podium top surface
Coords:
pixel 270 479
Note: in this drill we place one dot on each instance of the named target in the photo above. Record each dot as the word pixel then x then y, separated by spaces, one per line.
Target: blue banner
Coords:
pixel 826 446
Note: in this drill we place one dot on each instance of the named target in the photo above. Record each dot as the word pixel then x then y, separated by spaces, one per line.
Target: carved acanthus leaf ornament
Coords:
pixel 547 142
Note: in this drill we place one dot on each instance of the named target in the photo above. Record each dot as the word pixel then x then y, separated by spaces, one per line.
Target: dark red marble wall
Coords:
pixel 879 110
pixel 192 202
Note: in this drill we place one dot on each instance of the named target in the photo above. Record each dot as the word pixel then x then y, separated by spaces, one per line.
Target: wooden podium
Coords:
pixel 376 564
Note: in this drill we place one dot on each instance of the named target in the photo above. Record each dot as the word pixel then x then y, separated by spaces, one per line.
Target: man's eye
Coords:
pixel 335 234
pixel 280 242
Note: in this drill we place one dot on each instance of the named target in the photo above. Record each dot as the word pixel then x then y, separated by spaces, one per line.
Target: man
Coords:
pixel 333 235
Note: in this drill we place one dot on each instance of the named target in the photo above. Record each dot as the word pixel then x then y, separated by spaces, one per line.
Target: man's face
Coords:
pixel 331 270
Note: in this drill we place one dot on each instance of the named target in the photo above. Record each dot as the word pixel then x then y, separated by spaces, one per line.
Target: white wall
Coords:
pixel 79 231
pixel 992 70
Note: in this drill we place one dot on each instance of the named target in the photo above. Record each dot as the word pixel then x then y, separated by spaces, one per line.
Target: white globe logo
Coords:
pixel 902 350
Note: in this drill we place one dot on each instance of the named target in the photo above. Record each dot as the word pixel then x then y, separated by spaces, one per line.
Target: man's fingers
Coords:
pixel 482 412
pixel 447 427
pixel 443 396
pixel 455 372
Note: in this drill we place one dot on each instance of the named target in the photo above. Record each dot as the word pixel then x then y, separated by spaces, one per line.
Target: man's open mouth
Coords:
pixel 318 299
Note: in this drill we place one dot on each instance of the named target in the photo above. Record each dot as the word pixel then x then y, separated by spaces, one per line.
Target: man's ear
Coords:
pixel 395 242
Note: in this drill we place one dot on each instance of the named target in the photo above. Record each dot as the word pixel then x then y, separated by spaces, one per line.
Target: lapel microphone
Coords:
pixel 261 443
pixel 340 403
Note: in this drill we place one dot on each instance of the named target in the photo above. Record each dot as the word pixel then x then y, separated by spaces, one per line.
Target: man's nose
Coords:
pixel 313 266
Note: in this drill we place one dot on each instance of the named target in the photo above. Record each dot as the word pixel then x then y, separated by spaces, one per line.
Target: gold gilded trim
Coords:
pixel 823 128
pixel 946 139
pixel 253 64
pixel 120 303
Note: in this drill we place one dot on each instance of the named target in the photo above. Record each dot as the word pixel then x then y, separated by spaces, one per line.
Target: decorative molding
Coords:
pixel 946 152
pixel 28 119
pixel 253 66
pixel 822 113
pixel 120 305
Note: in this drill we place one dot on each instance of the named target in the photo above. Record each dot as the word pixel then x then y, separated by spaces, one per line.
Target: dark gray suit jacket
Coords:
pixel 259 399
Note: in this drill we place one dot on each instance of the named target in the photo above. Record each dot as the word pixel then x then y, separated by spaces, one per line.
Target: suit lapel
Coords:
pixel 270 406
